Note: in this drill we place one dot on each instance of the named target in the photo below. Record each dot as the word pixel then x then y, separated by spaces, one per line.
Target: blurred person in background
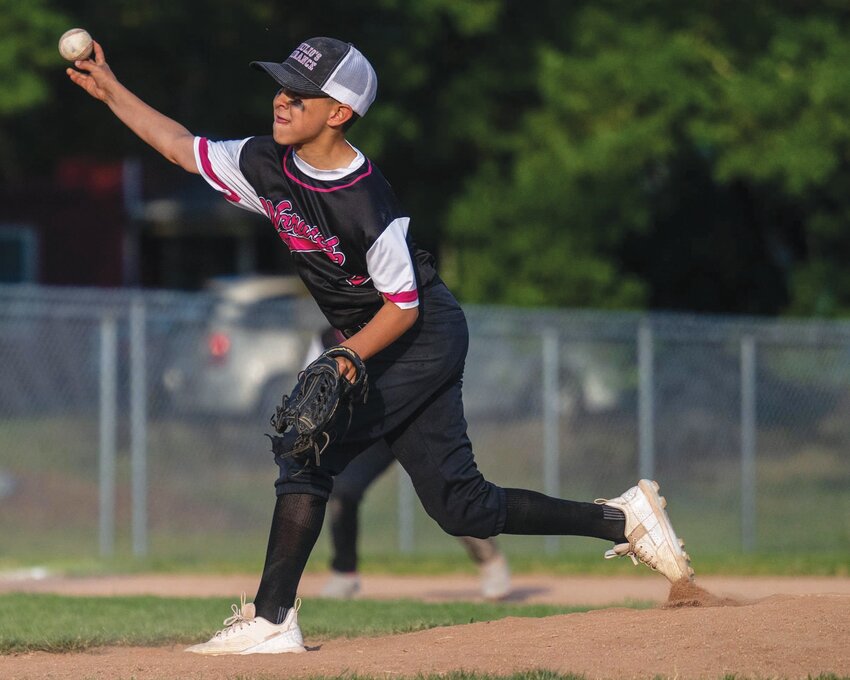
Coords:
pixel 344 506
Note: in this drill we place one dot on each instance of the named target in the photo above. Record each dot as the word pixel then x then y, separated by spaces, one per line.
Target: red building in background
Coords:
pixel 113 224
pixel 68 229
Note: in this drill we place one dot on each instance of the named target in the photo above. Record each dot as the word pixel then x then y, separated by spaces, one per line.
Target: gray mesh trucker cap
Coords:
pixel 326 66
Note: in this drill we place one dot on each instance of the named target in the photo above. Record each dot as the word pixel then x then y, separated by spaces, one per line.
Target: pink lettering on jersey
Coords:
pixel 297 234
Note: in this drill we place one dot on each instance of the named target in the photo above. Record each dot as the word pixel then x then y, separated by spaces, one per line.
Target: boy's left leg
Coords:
pixel 269 625
pixel 296 525
pixel 302 496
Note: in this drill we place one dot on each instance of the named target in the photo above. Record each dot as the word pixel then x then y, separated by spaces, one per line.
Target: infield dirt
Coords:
pixel 750 627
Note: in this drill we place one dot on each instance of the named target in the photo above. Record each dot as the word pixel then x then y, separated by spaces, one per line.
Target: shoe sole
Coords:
pixel 264 647
pixel 256 649
pixel 279 644
pixel 658 503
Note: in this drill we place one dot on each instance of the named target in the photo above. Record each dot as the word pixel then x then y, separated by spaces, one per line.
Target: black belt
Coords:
pixel 348 332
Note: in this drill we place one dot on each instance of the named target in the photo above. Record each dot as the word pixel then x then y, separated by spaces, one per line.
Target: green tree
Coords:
pixel 25 27
pixel 608 154
pixel 674 160
pixel 783 125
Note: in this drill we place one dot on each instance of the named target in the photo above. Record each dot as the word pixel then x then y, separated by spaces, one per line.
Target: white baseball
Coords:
pixel 75 44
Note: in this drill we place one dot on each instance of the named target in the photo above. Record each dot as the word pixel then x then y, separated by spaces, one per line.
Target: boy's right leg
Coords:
pixel 435 450
pixel 635 521
pixel 650 537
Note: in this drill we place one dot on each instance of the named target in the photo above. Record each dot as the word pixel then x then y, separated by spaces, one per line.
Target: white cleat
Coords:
pixel 246 633
pixel 341 586
pixel 495 578
pixel 650 537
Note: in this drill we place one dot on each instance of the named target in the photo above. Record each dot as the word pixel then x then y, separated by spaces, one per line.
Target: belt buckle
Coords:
pixel 348 332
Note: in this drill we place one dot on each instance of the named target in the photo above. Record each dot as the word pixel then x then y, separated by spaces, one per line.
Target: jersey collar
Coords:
pixel 329 175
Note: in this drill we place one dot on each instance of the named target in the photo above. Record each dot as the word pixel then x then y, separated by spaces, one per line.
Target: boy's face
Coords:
pixel 298 118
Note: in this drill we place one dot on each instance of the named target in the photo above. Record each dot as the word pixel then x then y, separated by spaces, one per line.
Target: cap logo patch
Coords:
pixel 307 56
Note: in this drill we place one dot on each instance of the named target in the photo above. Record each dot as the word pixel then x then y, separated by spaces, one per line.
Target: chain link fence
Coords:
pixel 132 422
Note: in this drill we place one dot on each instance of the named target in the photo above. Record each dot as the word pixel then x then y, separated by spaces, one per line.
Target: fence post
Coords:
pixel 646 402
pixel 138 427
pixel 551 409
pixel 748 443
pixel 108 392
pixel 406 502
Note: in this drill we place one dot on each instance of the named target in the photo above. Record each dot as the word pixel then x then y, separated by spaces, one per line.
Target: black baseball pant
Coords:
pixel 415 406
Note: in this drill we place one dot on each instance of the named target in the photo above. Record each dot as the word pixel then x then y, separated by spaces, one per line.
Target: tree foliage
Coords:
pixel 24 28
pixel 646 154
pixel 673 161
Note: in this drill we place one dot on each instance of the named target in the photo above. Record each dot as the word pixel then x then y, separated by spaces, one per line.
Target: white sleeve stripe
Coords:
pixel 390 266
pixel 218 163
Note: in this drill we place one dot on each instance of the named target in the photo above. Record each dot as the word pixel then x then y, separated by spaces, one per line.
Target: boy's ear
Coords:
pixel 340 115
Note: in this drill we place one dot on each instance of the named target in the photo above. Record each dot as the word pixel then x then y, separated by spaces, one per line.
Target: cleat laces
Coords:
pixel 637 554
pixel 237 621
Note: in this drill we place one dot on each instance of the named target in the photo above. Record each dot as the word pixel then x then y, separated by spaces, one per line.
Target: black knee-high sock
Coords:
pixel 344 530
pixel 529 512
pixel 296 525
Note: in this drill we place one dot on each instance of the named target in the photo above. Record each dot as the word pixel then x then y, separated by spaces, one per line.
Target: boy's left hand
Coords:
pixel 347 369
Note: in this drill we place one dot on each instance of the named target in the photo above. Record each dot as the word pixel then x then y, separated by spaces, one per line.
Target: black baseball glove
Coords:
pixel 319 409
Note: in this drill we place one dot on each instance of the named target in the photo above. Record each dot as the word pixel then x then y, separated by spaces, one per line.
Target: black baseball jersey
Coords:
pixel 347 235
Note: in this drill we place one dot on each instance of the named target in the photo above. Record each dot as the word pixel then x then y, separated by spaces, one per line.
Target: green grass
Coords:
pixel 70 624
pixel 248 559
pixel 59 624
pixel 210 502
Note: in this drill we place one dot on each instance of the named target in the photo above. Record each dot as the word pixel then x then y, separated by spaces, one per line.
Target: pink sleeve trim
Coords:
pixel 207 168
pixel 404 296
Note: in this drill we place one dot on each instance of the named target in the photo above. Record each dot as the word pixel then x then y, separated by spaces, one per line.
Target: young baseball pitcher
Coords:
pixel 350 242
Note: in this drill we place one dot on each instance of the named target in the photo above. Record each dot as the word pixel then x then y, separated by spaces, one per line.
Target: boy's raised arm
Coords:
pixel 164 134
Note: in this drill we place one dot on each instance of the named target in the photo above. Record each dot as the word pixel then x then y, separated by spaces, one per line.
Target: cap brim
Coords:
pixel 288 78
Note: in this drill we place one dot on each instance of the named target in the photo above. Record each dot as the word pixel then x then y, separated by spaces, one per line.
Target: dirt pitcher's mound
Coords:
pixel 782 636
pixel 686 593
